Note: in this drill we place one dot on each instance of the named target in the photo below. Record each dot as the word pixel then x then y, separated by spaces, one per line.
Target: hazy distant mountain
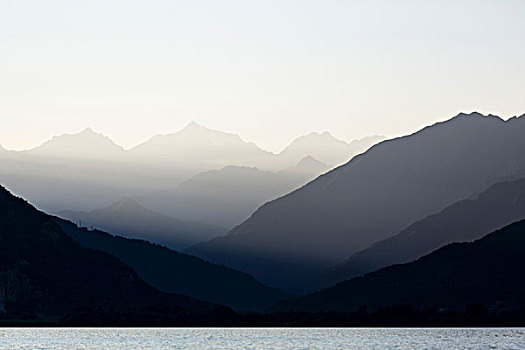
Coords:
pixel 178 273
pixel 87 170
pixel 86 144
pixel 228 196
pixel 466 220
pixel 198 147
pixel 128 218
pixel 308 165
pixel 46 277
pixel 488 271
pixel 326 148
pixel 372 197
pixel 80 172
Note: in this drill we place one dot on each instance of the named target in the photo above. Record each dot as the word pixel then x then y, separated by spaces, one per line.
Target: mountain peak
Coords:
pixel 85 144
pixel 125 204
pixel 475 114
pixel 193 125
pixel 88 131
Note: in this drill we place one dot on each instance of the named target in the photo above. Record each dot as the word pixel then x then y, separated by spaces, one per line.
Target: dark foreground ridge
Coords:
pixel 487 273
pixel 46 278
pixel 178 273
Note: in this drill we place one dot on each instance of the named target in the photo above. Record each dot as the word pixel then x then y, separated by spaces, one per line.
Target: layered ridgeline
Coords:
pixel 374 196
pixel 86 171
pixel 228 196
pixel 178 273
pixel 46 277
pixel 128 218
pixel 466 220
pixel 488 271
pixel 326 148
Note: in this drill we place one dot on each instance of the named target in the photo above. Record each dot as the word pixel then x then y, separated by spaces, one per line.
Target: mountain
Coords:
pixel 128 218
pixel 466 220
pixel 488 271
pixel 374 196
pixel 325 148
pixel 228 196
pixel 46 277
pixel 178 273
pixel 198 147
pixel 86 145
pixel 308 165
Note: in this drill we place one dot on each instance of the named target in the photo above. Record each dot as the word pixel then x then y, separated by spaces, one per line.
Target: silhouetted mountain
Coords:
pixel 488 271
pixel 466 220
pixel 372 197
pixel 326 148
pixel 178 273
pixel 228 196
pixel 128 218
pixel 198 147
pixel 86 144
pixel 45 276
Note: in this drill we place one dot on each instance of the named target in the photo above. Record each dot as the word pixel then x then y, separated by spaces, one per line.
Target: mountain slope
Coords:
pixel 128 218
pixel 488 271
pixel 372 197
pixel 44 276
pixel 228 196
pixel 178 273
pixel 466 220
pixel 325 148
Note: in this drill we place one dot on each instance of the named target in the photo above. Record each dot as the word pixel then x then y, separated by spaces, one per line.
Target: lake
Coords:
pixel 262 338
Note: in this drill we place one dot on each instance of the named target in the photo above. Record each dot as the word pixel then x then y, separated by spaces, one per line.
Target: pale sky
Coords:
pixel 267 70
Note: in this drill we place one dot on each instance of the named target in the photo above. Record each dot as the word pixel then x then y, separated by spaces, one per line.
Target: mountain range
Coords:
pixel 45 277
pixel 128 218
pixel 87 171
pixel 228 196
pixel 487 272
pixel 372 197
pixel 173 272
pixel 463 221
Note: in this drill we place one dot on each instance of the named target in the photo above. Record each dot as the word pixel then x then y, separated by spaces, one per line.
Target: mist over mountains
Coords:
pixel 88 171
pixel 372 197
pixel 297 226
pixel 128 218
pixel 466 220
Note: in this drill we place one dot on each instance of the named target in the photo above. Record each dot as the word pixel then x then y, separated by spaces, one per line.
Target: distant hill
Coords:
pixel 86 145
pixel 374 196
pixel 46 277
pixel 228 196
pixel 487 272
pixel 178 273
pixel 325 148
pixel 466 220
pixel 128 218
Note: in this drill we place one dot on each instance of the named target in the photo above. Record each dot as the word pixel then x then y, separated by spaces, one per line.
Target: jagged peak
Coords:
pixel 476 114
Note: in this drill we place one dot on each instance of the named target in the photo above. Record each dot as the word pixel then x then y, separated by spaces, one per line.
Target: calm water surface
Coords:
pixel 261 338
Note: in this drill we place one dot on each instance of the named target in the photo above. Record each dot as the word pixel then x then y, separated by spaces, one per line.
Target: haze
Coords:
pixel 267 70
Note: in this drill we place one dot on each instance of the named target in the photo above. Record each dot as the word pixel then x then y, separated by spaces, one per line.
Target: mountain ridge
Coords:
pixel 373 196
